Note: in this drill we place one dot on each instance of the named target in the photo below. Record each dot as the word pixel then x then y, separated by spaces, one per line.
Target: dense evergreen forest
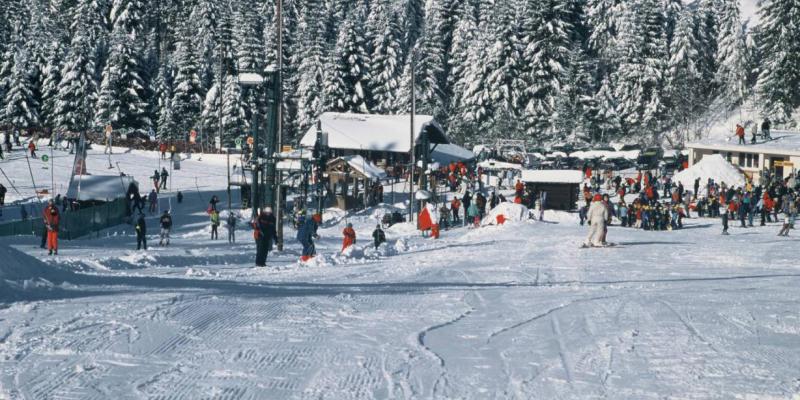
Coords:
pixel 542 70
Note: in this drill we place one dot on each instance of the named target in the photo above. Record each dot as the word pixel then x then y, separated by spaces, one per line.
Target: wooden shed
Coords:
pixel 562 186
pixel 351 179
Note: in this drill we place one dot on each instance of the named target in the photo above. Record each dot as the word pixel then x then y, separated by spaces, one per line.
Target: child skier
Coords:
pixel 378 236
pixel 349 236
pixel 166 226
pixel 214 225
pixel 141 233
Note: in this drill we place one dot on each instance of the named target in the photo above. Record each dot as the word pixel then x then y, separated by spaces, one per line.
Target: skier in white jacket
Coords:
pixel 597 217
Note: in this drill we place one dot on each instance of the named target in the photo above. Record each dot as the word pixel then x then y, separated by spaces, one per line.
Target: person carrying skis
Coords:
pixel 265 234
pixel 51 222
pixel 153 200
pixel 378 236
pixel 141 232
pixel 597 217
pixel 155 178
pixel 166 226
pixel 306 235
pixel 765 129
pixel 214 225
pixel 32 148
pixel 349 236
pixel 230 224
pixel 164 176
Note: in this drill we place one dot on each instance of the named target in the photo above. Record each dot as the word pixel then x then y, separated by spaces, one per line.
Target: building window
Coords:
pixel 749 161
pixel 741 159
pixel 728 156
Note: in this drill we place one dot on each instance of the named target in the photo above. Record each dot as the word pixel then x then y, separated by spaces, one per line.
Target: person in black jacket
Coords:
pixel 141 233
pixel 379 236
pixel 166 227
pixel 466 200
pixel 265 235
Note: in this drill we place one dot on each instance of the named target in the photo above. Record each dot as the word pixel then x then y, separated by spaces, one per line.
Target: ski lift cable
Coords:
pixel 33 181
pixel 11 183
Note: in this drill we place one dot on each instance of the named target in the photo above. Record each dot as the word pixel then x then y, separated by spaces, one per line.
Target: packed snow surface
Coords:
pixel 712 166
pixel 516 311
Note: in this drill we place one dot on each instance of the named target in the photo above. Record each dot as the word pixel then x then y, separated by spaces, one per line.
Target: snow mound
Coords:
pixel 511 211
pixel 23 276
pixel 712 166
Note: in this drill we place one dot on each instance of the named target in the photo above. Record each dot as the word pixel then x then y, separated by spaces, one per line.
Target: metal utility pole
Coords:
pixel 279 128
pixel 221 92
pixel 254 195
pixel 411 199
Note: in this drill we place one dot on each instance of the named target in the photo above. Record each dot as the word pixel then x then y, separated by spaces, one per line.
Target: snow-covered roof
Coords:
pixel 374 132
pixel 99 187
pixel 292 160
pixel 712 166
pixel 364 167
pixel 783 143
pixel 447 153
pixel 605 154
pixel 495 165
pixel 552 176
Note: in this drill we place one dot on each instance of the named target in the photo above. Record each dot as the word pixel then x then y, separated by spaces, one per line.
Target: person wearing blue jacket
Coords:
pixel 306 235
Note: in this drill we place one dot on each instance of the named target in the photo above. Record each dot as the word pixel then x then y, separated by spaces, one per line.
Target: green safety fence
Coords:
pixel 74 224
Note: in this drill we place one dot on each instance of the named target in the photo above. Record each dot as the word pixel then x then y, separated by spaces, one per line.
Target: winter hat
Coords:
pixel 597 197
pixel 268 210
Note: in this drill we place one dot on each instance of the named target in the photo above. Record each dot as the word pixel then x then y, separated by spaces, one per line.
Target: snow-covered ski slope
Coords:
pixel 515 311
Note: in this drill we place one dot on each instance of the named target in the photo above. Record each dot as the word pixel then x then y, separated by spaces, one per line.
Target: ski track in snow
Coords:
pixel 515 311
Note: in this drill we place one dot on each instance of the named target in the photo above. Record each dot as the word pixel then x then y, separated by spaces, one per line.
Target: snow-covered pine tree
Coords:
pixel 414 18
pixel 162 92
pixel 463 40
pixel 545 55
pixel 387 54
pixel 167 127
pixel 248 37
pixel 187 97
pixel 51 82
pixel 234 118
pixel 602 17
pixel 20 106
pixel 706 35
pixel 731 58
pixel 575 107
pixel 604 121
pixel 348 79
pixel 672 13
pixel 74 107
pixel 121 100
pixel 428 63
pixel 311 63
pixel 207 15
pixel 643 58
pixel 683 83
pixel 780 68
